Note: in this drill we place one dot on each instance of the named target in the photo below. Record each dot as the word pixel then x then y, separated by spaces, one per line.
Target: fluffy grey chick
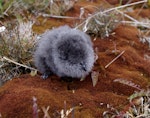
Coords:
pixel 65 52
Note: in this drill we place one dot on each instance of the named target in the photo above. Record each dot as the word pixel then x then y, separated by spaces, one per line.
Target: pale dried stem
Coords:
pixel 63 17
pixel 5 12
pixel 126 5
pixel 134 20
pixel 16 63
pixel 45 110
pixel 136 23
pixel 114 59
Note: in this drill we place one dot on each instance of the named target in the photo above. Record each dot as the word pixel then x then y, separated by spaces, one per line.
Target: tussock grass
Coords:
pixel 17 44
pixel 101 24
pixel 47 7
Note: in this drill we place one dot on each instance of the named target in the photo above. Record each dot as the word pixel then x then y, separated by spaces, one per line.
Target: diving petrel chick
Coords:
pixel 66 52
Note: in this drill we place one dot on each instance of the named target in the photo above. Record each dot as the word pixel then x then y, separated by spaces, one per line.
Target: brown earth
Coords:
pixel 89 102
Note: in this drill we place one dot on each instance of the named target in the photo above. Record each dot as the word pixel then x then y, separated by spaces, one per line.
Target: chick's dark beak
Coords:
pixel 83 66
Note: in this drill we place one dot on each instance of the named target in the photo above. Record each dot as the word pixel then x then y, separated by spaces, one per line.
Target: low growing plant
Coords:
pixel 139 107
pixel 101 23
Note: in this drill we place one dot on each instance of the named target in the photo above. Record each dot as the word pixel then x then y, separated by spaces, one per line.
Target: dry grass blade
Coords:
pixel 114 59
pixel 64 114
pixel 126 5
pixel 128 83
pixel 94 76
pixel 16 63
pixel 46 114
pixel 133 21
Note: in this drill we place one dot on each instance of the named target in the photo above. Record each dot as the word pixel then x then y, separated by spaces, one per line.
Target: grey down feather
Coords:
pixel 65 52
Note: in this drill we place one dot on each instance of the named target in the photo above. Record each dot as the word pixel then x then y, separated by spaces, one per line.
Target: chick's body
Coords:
pixel 65 52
